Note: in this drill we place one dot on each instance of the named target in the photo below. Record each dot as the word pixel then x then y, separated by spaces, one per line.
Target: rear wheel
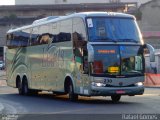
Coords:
pixel 72 95
pixel 115 98
pixel 25 89
pixel 19 85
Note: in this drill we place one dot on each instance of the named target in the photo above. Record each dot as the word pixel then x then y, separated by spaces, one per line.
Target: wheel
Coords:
pixel 115 98
pixel 72 95
pixel 25 90
pixel 20 88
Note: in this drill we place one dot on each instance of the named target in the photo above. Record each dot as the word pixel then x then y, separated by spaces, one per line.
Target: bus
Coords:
pixel 82 54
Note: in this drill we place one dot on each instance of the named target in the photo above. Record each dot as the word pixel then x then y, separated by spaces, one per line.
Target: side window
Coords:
pixel 12 40
pixel 65 30
pixel 45 34
pixel 34 36
pixel 54 31
pixel 25 34
pixel 80 44
pixel 79 33
pixel 18 38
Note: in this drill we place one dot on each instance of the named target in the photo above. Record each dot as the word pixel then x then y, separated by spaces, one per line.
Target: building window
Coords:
pixel 64 0
pixel 115 1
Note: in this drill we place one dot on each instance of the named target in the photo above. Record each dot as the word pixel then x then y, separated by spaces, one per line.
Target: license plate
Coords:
pixel 120 92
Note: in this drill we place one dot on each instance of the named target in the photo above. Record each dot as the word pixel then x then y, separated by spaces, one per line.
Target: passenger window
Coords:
pixel 80 44
pixel 65 30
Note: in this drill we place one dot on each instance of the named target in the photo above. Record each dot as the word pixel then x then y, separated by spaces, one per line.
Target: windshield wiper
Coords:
pixel 106 40
pixel 128 40
pixel 133 71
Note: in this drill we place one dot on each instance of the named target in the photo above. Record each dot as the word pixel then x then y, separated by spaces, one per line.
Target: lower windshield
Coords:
pixel 117 60
pixel 101 29
pixel 131 60
pixel 106 60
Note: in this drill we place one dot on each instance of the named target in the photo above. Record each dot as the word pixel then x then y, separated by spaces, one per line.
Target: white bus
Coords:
pixel 87 54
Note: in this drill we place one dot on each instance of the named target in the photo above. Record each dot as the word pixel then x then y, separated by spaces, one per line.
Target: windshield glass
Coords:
pixel 117 60
pixel 106 60
pixel 112 29
pixel 131 60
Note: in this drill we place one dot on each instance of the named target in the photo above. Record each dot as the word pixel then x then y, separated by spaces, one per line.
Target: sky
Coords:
pixel 7 2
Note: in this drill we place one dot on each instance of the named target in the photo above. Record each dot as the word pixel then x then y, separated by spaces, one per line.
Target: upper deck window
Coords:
pixel 116 29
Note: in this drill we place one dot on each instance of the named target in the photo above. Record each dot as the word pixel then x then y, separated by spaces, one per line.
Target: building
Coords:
pixel 150 27
pixel 18 15
pixel 150 22
pixel 44 2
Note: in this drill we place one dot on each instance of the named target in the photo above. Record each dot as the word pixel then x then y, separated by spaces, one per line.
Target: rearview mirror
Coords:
pixel 90 53
pixel 151 52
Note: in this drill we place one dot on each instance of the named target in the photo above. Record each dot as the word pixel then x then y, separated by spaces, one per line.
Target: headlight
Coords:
pixel 139 84
pixel 98 84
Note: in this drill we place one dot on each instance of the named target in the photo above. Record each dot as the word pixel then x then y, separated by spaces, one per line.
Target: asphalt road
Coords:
pixel 47 103
pixel 46 106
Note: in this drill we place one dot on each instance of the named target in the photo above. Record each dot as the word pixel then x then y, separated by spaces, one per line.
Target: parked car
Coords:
pixel 1 65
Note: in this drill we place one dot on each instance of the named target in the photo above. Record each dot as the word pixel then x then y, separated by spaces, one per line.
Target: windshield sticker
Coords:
pixel 90 23
pixel 101 31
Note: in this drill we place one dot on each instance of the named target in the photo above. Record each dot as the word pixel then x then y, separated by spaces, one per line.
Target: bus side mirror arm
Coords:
pixel 90 53
pixel 151 52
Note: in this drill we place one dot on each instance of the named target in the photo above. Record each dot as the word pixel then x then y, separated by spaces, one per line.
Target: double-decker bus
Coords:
pixel 82 54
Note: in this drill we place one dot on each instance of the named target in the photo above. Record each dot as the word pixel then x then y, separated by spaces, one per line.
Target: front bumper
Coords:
pixel 108 91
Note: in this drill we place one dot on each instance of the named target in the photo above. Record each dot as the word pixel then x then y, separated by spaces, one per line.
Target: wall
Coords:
pixel 40 2
pixel 43 2
pixel 150 16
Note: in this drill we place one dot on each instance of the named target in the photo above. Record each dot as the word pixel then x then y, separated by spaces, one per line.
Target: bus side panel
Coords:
pixel 59 64
pixel 16 65
pixel 35 59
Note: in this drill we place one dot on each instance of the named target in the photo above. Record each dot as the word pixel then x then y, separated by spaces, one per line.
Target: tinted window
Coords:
pixel 18 38
pixel 65 30
pixel 79 28
pixel 34 36
pixel 113 29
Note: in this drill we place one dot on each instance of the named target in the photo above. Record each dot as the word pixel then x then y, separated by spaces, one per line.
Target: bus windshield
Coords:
pixel 117 60
pixel 107 29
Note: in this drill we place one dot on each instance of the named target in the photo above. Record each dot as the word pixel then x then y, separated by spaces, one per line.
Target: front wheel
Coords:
pixel 72 95
pixel 115 98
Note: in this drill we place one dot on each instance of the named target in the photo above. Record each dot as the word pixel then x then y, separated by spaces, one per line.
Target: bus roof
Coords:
pixel 81 14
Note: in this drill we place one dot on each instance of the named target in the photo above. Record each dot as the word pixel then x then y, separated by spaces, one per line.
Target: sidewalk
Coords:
pixel 3 78
pixel 3 83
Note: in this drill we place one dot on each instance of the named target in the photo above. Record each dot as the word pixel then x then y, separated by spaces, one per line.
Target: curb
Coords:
pixel 152 87
pixel 1 108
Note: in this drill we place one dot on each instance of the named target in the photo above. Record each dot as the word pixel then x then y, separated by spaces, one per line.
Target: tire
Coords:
pixel 20 91
pixel 115 98
pixel 25 89
pixel 72 95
